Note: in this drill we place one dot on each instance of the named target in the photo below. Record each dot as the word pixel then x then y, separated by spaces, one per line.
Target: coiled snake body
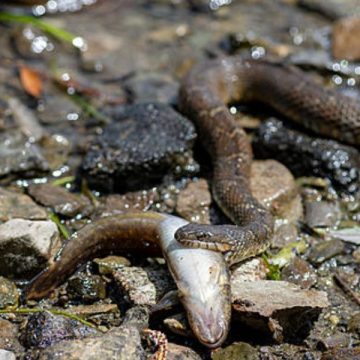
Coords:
pixel 204 96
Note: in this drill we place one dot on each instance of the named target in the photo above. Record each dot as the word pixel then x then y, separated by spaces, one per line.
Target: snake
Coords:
pixel 204 97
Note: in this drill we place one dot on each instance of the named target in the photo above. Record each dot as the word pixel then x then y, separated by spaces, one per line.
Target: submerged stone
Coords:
pixel 143 144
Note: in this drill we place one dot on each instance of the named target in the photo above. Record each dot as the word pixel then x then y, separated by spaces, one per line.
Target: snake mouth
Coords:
pixel 214 342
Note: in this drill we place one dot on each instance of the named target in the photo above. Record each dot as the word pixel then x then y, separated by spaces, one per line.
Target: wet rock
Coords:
pixel 272 185
pixel 178 352
pixel 299 272
pixel 321 214
pixel 285 233
pixel 337 340
pixel 26 246
pixel 277 308
pixel 354 323
pixel 44 329
pixel 7 355
pixel 143 286
pixel 238 351
pixel 249 270
pixel 342 354
pixel 325 250
pixel 111 263
pixel 59 199
pixel 117 160
pixel 122 343
pixel 350 235
pixel 178 324
pixel 194 201
pixel 332 9
pixel 9 295
pixel 345 39
pixel 152 87
pixel 9 336
pixel 88 288
pixel 137 316
pixel 18 205
pixel 55 149
pixel 18 155
pixel 305 155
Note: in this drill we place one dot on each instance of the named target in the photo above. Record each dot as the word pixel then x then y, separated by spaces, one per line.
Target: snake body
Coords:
pixel 204 96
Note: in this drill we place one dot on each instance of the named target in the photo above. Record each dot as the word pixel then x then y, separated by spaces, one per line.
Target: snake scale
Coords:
pixel 204 96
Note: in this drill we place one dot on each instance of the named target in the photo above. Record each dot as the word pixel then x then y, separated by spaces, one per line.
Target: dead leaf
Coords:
pixel 31 81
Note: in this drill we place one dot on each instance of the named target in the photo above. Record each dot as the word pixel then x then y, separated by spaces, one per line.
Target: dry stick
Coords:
pixel 346 288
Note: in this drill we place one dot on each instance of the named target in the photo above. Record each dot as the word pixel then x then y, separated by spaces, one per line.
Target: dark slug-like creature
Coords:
pixel 204 96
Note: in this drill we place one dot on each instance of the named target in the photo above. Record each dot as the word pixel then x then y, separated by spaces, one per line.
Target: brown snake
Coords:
pixel 204 96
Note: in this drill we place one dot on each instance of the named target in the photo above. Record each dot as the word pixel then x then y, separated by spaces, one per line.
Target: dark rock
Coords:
pixel 9 336
pixel 18 155
pixel 117 160
pixel 88 288
pixel 305 155
pixel 122 343
pixel 194 201
pixel 59 199
pixel 288 352
pixel 9 295
pixel 18 205
pixel 238 351
pixel 325 250
pixel 178 352
pixel 44 329
pixel 354 323
pixel 345 39
pixel 299 272
pixel 178 324
pixel 27 246
pixel 321 214
pixel 278 309
pixel 342 354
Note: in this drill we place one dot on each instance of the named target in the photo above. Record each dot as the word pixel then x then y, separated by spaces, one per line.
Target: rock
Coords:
pixel 87 288
pixel 299 272
pixel 236 351
pixel 277 308
pixel 354 323
pixel 325 250
pixel 122 343
pixel 321 214
pixel 152 87
pixel 18 205
pixel 111 263
pixel 9 336
pixel 288 351
pixel 60 200
pixel 55 149
pixel 44 329
pixel 7 355
pixel 285 233
pixel 305 155
pixel 337 340
pixel 272 185
pixel 342 354
pixel 194 201
pixel 27 246
pixel 18 155
pixel 93 309
pixel 250 270
pixel 137 316
pixel 9 295
pixel 143 286
pixel 345 39
pixel 117 160
pixel 178 324
pixel 350 235
pixel 178 352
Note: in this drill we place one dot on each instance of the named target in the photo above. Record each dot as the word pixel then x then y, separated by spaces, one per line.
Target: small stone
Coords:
pixel 18 205
pixel 325 250
pixel 299 272
pixel 18 155
pixel 194 201
pixel 117 160
pixel 275 307
pixel 236 351
pixel 59 199
pixel 144 286
pixel 178 324
pixel 111 263
pixel 7 355
pixel 285 233
pixel 44 329
pixel 123 343
pixel 342 354
pixel 250 270
pixel 87 288
pixel 321 214
pixel 9 336
pixel 273 185
pixel 345 39
pixel 178 352
pixel 354 323
pixel 27 246
pixel 9 295
pixel 337 340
